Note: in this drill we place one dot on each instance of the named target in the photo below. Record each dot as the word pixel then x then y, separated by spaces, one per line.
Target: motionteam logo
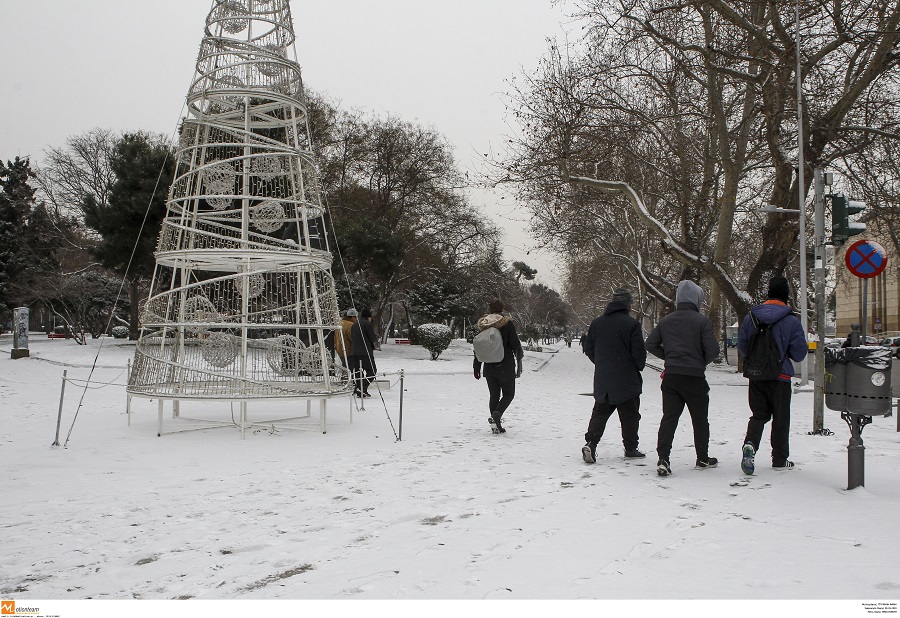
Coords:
pixel 8 608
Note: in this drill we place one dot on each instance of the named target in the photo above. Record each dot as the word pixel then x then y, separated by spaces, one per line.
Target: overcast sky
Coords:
pixel 126 65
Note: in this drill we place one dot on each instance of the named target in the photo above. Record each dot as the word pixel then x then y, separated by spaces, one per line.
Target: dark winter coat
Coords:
pixel 685 338
pixel 512 348
pixel 615 345
pixel 363 340
pixel 787 333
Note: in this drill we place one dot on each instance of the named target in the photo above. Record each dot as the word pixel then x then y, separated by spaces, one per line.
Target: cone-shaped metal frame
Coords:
pixel 242 297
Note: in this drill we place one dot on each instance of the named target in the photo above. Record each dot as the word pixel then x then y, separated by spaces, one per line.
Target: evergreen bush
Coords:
pixel 435 338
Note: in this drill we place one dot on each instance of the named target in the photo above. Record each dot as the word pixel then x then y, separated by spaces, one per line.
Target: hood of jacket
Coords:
pixel 492 319
pixel 689 292
pixel 616 307
pixel 771 311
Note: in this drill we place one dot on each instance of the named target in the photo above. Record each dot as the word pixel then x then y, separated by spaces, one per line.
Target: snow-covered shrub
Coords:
pixel 120 332
pixel 435 338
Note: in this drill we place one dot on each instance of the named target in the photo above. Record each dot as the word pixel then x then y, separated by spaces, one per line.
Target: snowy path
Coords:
pixel 452 511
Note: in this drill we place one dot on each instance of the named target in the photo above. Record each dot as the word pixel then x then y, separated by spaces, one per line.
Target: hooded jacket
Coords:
pixel 787 331
pixel 615 345
pixel 512 347
pixel 685 338
pixel 342 344
pixel 363 340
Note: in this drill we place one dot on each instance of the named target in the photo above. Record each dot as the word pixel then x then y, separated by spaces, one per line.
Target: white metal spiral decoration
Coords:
pixel 242 297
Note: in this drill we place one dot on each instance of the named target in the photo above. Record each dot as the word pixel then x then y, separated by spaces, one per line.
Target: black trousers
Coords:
pixel 629 417
pixel 679 391
pixel 363 368
pixel 770 400
pixel 502 390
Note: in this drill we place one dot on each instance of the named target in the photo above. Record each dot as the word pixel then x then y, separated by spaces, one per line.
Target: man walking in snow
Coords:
pixel 684 339
pixel 615 345
pixel 500 376
pixel 363 343
pixel 770 399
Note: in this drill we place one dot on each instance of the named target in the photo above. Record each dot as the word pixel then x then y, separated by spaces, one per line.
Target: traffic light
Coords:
pixel 842 227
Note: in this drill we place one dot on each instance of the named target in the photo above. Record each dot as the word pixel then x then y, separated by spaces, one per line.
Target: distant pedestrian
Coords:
pixel 615 344
pixel 684 339
pixel 500 375
pixel 342 343
pixel 363 342
pixel 770 397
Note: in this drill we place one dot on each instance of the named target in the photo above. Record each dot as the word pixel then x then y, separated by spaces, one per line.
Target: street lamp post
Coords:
pixel 801 190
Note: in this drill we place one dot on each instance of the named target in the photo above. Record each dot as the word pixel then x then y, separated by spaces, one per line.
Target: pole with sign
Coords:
pixel 865 259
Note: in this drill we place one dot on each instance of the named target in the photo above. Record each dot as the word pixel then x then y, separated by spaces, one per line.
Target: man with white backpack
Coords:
pixel 498 349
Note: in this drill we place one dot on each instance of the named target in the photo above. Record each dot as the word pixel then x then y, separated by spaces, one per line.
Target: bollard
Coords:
pixel 856 451
pixel 400 434
pixel 62 394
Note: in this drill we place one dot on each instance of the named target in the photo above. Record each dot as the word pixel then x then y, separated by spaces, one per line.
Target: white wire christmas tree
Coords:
pixel 242 297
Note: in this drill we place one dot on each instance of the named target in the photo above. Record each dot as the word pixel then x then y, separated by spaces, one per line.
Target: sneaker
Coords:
pixel 493 425
pixel 711 462
pixel 747 456
pixel 634 454
pixel 589 453
pixel 498 426
pixel 662 468
pixel 783 465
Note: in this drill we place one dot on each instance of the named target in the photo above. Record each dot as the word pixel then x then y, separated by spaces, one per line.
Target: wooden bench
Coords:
pixel 402 341
pixel 56 335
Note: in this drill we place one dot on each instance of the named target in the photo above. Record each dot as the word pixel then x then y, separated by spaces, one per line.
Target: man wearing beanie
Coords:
pixel 685 340
pixel 770 399
pixel 615 344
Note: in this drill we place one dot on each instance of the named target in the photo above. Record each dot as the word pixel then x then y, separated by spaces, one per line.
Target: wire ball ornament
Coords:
pixel 267 168
pixel 218 179
pixel 219 349
pixel 268 66
pixel 311 360
pixel 233 17
pixel 200 311
pixel 285 355
pixel 268 217
pixel 252 286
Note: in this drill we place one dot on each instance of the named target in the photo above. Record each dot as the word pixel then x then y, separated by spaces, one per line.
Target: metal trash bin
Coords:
pixel 835 380
pixel 868 380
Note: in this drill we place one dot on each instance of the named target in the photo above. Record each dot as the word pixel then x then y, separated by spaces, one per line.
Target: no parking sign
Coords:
pixel 866 259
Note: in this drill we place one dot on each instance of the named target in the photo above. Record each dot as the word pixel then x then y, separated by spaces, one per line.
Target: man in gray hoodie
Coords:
pixel 685 340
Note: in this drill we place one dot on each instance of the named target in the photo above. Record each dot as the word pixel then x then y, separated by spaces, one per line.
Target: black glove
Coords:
pixel 477 375
pixel 519 368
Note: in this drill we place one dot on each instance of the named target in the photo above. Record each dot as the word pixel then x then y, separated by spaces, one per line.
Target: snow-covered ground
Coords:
pixel 449 512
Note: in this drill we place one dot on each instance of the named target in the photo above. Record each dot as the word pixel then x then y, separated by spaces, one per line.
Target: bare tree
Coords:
pixel 694 105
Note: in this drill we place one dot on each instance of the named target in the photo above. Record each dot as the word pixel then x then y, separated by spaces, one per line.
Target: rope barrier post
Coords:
pixel 400 433
pixel 127 394
pixel 62 394
pixel 159 419
pixel 323 413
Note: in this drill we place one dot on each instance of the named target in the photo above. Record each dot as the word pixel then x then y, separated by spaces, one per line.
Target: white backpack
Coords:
pixel 488 346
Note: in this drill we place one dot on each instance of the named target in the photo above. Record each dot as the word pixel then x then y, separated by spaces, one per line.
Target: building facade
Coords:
pixel 883 304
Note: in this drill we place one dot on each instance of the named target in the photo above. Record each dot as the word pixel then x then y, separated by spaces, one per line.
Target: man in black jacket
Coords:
pixel 363 343
pixel 685 340
pixel 615 345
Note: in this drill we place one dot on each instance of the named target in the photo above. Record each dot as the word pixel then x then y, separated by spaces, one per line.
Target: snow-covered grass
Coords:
pixel 449 512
